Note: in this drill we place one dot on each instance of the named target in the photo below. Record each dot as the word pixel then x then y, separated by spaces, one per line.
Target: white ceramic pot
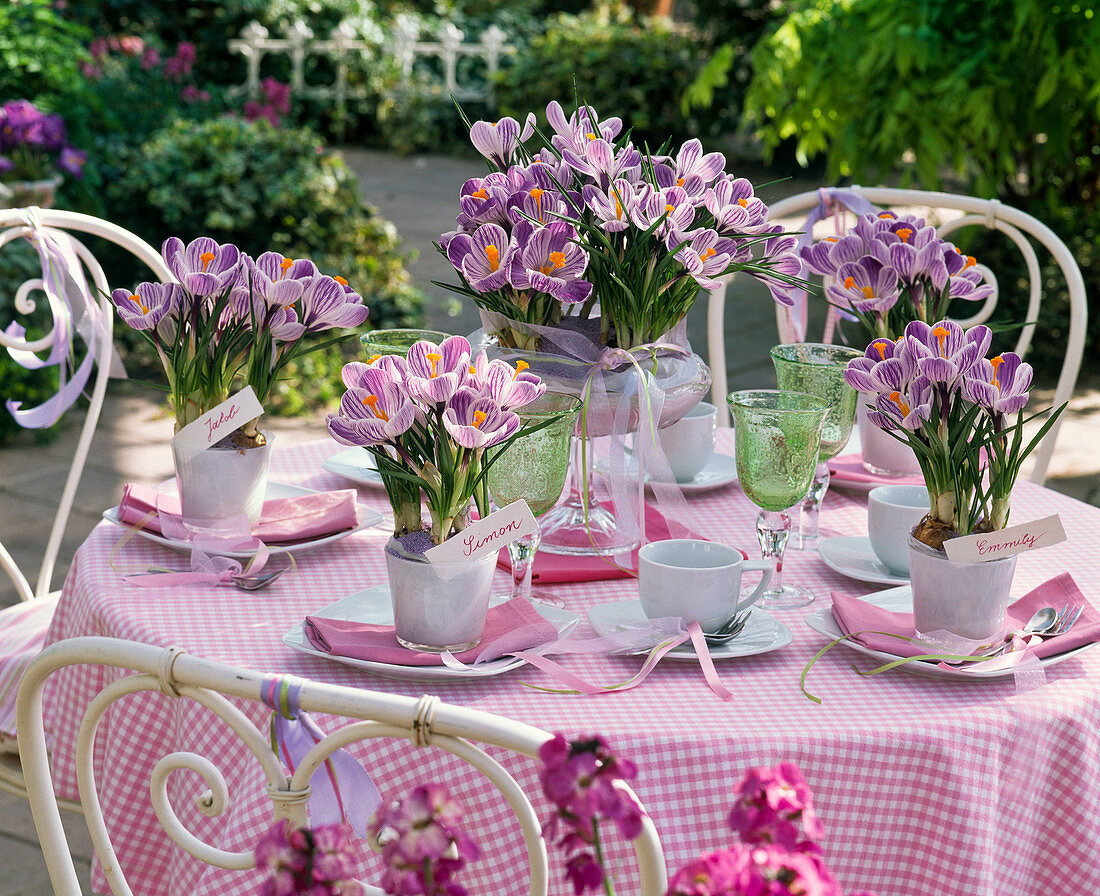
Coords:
pixel 25 193
pixel 218 484
pixel 967 599
pixel 882 453
pixel 439 606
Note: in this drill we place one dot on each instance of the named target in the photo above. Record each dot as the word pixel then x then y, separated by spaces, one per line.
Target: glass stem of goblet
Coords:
pixel 809 516
pixel 522 554
pixel 773 529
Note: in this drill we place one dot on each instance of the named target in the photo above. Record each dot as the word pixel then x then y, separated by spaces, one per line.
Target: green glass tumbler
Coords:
pixel 777 439
pixel 396 341
pixel 818 369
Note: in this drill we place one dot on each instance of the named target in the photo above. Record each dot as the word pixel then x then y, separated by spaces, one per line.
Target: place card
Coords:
pixel 487 536
pixel 215 425
pixel 1006 542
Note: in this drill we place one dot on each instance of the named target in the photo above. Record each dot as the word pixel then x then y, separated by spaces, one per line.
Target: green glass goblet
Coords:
pixel 778 435
pixel 533 467
pixel 818 369
pixel 396 341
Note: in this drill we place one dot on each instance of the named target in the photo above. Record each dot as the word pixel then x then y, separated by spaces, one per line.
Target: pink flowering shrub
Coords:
pixel 310 861
pixel 274 105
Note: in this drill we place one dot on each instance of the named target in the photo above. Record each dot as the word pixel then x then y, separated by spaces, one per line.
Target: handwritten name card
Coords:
pixel 1006 542
pixel 486 536
pixel 215 425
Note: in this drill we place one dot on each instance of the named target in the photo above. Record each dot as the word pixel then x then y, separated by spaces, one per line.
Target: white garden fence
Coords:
pixel 405 46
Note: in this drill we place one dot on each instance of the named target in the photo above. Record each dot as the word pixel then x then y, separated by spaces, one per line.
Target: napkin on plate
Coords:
pixel 856 615
pixel 282 520
pixel 849 468
pixel 511 626
pixel 557 568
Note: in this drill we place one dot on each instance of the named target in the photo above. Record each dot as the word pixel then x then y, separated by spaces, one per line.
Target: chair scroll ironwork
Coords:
pixel 364 715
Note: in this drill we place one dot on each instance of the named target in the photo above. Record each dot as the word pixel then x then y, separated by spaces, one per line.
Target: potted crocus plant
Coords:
pixel 887 270
pixel 427 418
pixel 226 322
pixel 963 415
pixel 34 155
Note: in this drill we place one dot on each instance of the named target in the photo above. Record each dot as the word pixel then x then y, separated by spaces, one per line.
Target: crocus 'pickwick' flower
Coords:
pixel 551 262
pixel 148 305
pixel 1000 384
pixel 510 387
pixel 327 303
pixel 945 351
pixel 482 257
pixel 611 208
pixel 476 421
pixel 671 207
pixel 435 372
pixel 706 257
pixel 498 140
pixel 866 286
pixel 603 163
pixel 580 128
pixel 202 266
pixel 735 208
pixel 695 171
pixel 374 413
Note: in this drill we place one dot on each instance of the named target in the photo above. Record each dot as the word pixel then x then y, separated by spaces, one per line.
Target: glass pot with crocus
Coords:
pixel 230 320
pixel 890 269
pixel 427 418
pixel 586 227
pixel 961 412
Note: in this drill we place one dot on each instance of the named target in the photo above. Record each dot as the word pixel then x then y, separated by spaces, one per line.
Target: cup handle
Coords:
pixel 765 568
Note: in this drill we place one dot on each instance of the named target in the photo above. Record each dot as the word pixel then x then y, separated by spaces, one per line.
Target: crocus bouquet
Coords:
pixel 33 145
pixel 589 219
pixel 890 269
pixel 229 320
pixel 962 414
pixel 427 418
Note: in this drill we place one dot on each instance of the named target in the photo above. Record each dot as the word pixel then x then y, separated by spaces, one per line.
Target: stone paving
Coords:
pixel 417 194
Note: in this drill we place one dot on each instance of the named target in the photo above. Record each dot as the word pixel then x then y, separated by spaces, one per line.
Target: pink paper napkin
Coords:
pixel 511 626
pixel 282 520
pixel 551 568
pixel 849 468
pixel 855 615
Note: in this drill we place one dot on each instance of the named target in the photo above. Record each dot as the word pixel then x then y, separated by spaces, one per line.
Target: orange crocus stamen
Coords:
pixel 557 259
pixel 868 292
pixel 479 418
pixel 669 209
pixel 492 254
pixel 433 359
pixel 744 203
pixel 889 215
pixel 371 401
pixel 849 282
pixel 996 362
pixel 520 367
pixel 707 253
pixel 373 358
pixel 904 234
pixel 136 299
pixel 536 193
pixel 480 194
pixel 206 258
pixel 941 334
pixel 286 264
pixel 970 262
pixel 896 398
pixel 340 280
pixel 831 239
pixel 679 181
pixel 590 136
pixel 880 347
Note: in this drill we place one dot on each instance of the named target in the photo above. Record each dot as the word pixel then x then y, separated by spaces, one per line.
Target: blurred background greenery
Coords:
pixel 997 98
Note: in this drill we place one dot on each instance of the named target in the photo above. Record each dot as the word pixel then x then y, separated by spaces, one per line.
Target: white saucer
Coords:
pixel 373 605
pixel 901 600
pixel 356 464
pixel 367 518
pixel 720 470
pixel 851 556
pixel 762 632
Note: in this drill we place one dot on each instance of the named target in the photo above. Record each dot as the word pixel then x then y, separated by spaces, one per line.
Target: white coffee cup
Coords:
pixel 892 512
pixel 699 581
pixel 688 443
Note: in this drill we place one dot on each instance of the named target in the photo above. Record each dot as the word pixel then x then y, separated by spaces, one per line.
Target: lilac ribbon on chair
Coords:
pixel 832 201
pixel 341 789
pixel 73 311
pixel 592 362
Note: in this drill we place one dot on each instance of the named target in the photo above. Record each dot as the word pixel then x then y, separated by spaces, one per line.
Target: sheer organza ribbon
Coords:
pixel 588 365
pixel 73 311
pixel 341 789
pixel 793 324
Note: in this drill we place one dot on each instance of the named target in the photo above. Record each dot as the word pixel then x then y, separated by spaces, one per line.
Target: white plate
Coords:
pixel 373 605
pixel 356 464
pixel 762 632
pixel 851 556
pixel 720 470
pixel 367 518
pixel 901 600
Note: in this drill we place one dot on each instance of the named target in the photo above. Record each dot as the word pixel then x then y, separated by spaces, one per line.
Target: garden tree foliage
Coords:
pixel 996 97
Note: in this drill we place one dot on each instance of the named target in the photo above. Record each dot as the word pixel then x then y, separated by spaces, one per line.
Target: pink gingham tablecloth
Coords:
pixel 925 786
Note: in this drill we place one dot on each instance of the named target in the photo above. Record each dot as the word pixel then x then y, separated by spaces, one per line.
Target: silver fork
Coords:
pixel 728 630
pixel 1063 622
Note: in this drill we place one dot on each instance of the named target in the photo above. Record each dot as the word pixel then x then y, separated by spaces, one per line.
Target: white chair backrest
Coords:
pixel 426 721
pixel 949 212
pixel 13 226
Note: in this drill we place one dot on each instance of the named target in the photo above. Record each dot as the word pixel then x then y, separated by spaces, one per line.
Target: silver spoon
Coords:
pixel 1040 623
pixel 727 631
pixel 260 580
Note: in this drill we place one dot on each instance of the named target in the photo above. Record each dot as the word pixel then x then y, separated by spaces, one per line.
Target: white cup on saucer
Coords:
pixel 699 581
pixel 892 512
pixel 688 443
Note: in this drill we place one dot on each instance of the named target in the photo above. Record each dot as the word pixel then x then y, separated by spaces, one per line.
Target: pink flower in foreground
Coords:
pixel 318 861
pixel 771 801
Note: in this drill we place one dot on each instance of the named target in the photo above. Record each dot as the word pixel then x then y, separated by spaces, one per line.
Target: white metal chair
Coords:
pixel 23 627
pixel 949 212
pixel 426 721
